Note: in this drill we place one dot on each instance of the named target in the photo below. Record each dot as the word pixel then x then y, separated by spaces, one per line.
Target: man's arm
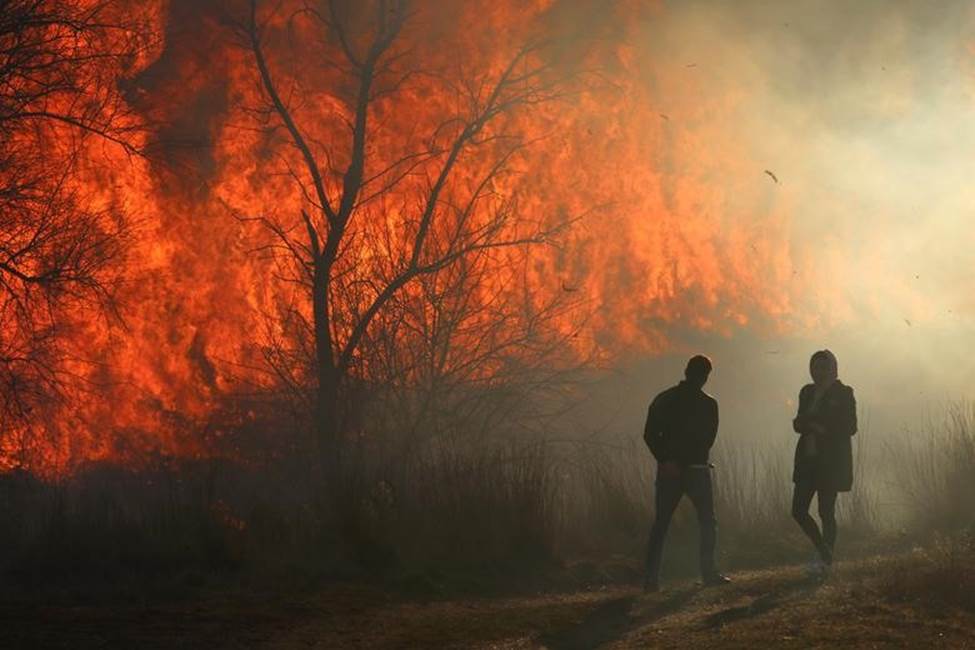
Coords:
pixel 653 430
pixel 712 431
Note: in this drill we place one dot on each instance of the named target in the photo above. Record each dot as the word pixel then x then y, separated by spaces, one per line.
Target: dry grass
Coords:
pixel 218 555
pixel 451 517
pixel 859 606
pixel 933 473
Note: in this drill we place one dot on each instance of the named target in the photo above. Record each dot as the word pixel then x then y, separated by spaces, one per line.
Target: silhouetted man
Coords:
pixel 681 426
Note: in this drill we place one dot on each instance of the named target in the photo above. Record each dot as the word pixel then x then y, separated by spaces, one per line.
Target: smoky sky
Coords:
pixel 862 110
pixel 865 113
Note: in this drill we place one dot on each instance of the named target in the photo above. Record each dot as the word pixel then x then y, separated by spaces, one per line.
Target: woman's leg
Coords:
pixel 801 499
pixel 827 515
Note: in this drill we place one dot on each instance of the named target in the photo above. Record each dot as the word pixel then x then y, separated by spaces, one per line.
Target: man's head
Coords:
pixel 697 371
pixel 823 367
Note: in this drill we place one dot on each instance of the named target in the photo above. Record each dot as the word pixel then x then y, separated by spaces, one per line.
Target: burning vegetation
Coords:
pixel 336 219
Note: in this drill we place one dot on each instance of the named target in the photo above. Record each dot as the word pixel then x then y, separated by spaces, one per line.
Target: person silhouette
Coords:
pixel 682 423
pixel 826 421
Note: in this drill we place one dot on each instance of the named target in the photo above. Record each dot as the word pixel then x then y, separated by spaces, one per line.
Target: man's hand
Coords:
pixel 668 469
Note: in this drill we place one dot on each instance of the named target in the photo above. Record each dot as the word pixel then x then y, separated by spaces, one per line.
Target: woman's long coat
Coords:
pixel 831 468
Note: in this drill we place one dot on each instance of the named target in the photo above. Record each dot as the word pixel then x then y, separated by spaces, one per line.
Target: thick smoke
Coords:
pixel 863 112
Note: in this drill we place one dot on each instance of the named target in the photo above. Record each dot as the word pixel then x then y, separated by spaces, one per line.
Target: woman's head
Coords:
pixel 823 367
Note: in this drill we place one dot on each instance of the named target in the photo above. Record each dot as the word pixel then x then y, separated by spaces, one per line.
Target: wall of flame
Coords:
pixel 697 222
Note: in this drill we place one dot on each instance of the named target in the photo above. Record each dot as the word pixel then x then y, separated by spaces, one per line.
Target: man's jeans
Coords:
pixel 695 482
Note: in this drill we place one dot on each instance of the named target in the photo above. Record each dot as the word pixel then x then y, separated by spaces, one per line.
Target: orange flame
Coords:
pixel 657 241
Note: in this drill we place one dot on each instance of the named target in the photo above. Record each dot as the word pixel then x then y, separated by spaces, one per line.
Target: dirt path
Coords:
pixel 775 608
pixel 778 608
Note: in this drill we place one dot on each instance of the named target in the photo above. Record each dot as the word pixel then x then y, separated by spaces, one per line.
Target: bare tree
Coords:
pixel 383 225
pixel 458 361
pixel 59 67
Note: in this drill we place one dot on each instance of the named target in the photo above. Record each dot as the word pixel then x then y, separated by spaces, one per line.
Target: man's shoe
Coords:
pixel 814 567
pixel 817 569
pixel 716 580
pixel 823 571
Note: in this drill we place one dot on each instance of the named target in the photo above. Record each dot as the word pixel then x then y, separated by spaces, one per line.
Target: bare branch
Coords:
pixel 285 115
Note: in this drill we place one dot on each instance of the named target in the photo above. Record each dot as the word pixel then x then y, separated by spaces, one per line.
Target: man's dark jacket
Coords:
pixel 831 468
pixel 681 425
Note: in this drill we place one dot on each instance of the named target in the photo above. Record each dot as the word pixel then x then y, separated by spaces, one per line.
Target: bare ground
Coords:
pixel 863 604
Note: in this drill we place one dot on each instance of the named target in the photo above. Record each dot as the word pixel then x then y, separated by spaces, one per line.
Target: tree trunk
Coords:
pixel 327 421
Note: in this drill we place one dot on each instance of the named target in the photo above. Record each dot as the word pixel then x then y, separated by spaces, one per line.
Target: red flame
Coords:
pixel 653 238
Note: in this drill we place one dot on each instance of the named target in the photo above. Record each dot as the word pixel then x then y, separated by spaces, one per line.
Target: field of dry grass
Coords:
pixel 921 598
pixel 504 547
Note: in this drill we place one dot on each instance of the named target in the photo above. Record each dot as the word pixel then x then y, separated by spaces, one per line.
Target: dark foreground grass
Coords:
pixel 919 599
pixel 453 520
pixel 509 546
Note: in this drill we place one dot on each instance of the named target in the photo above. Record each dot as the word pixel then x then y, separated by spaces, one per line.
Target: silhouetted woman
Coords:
pixel 826 421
